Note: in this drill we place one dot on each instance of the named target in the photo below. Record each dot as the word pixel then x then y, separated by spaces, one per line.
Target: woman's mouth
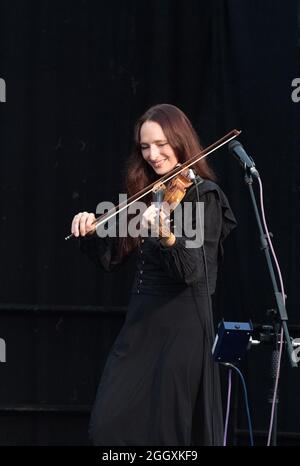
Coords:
pixel 159 163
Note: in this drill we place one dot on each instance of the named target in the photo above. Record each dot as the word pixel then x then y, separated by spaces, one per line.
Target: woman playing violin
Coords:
pixel 160 385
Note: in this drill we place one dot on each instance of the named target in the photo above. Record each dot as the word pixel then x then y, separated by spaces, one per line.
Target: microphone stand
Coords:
pixel 281 314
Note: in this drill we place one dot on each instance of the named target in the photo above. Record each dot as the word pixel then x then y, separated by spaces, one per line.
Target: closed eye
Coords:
pixel 158 144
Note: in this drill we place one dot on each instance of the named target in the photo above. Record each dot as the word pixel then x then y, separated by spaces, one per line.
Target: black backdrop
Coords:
pixel 78 74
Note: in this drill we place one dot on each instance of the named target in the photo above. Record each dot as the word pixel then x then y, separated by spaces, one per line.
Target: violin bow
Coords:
pixel 164 179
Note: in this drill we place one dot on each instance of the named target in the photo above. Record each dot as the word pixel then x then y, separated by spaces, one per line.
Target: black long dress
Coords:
pixel 160 385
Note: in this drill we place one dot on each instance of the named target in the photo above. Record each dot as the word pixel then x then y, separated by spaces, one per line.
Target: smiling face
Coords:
pixel 155 148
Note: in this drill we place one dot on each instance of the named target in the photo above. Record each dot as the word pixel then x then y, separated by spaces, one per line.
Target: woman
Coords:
pixel 160 385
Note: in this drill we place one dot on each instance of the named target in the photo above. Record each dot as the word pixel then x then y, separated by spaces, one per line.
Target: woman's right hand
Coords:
pixel 83 223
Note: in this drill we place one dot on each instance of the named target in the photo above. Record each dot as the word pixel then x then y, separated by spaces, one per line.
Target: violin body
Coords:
pixel 175 191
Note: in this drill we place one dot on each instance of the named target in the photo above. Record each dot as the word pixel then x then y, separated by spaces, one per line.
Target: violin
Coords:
pixel 177 179
pixel 171 196
pixel 175 192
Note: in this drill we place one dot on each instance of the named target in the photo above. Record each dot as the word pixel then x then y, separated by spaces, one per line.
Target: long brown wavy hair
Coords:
pixel 183 139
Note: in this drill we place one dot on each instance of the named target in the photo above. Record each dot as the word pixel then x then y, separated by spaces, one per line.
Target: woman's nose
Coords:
pixel 153 152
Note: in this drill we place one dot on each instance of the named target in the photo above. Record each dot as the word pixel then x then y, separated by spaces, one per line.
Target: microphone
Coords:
pixel 235 148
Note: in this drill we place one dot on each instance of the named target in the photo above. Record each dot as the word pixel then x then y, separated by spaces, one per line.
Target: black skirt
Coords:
pixel 160 385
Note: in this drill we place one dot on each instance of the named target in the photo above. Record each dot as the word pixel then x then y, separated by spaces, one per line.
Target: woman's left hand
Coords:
pixel 158 221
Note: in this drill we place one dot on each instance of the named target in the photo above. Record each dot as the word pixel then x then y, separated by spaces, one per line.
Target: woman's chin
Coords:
pixel 162 170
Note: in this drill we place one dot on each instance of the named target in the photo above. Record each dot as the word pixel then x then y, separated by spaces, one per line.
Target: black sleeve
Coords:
pixel 102 251
pixel 185 263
